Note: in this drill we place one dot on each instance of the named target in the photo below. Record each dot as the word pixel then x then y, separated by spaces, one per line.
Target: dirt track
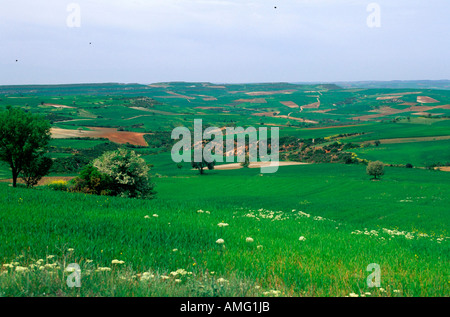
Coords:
pixel 233 166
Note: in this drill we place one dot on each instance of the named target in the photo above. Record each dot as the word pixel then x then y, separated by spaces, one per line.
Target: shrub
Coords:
pixel 91 181
pixel 127 173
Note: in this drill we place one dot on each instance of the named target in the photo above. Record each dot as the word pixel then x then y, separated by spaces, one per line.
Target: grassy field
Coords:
pixel 399 223
pixel 415 153
pixel 307 230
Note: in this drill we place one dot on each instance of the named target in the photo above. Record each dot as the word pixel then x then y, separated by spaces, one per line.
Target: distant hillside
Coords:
pixel 398 84
pixel 75 89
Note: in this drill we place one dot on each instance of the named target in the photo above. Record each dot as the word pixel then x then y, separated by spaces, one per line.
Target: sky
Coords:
pixel 231 41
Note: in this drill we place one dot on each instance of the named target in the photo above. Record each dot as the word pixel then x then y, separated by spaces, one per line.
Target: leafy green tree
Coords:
pixel 375 169
pixel 37 168
pixel 24 137
pixel 202 165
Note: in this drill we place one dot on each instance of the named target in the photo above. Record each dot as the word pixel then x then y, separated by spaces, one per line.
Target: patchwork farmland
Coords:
pixel 310 229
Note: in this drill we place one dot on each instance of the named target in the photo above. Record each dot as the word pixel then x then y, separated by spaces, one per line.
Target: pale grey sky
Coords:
pixel 147 41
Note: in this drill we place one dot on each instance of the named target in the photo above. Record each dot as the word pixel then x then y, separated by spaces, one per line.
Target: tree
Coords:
pixel 201 165
pixel 37 168
pixel 375 169
pixel 24 137
pixel 246 162
pixel 377 142
pixel 128 172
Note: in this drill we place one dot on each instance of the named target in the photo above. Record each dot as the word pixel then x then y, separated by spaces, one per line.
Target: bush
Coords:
pixel 127 173
pixel 409 165
pixel 91 181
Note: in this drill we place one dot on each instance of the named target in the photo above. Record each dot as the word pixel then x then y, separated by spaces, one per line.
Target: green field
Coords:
pixel 400 223
pixel 306 230
pixel 415 153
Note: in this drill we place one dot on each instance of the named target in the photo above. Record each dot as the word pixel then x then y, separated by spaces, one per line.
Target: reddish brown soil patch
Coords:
pixel 313 105
pixel 290 104
pixel 266 114
pixel 210 108
pixel 111 134
pixel 384 111
pixel 427 114
pixel 254 100
pixel 58 106
pixel 426 99
pixel 296 119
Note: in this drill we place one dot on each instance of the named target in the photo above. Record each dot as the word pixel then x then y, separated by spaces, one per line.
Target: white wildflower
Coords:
pixel 21 269
pixel 103 269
